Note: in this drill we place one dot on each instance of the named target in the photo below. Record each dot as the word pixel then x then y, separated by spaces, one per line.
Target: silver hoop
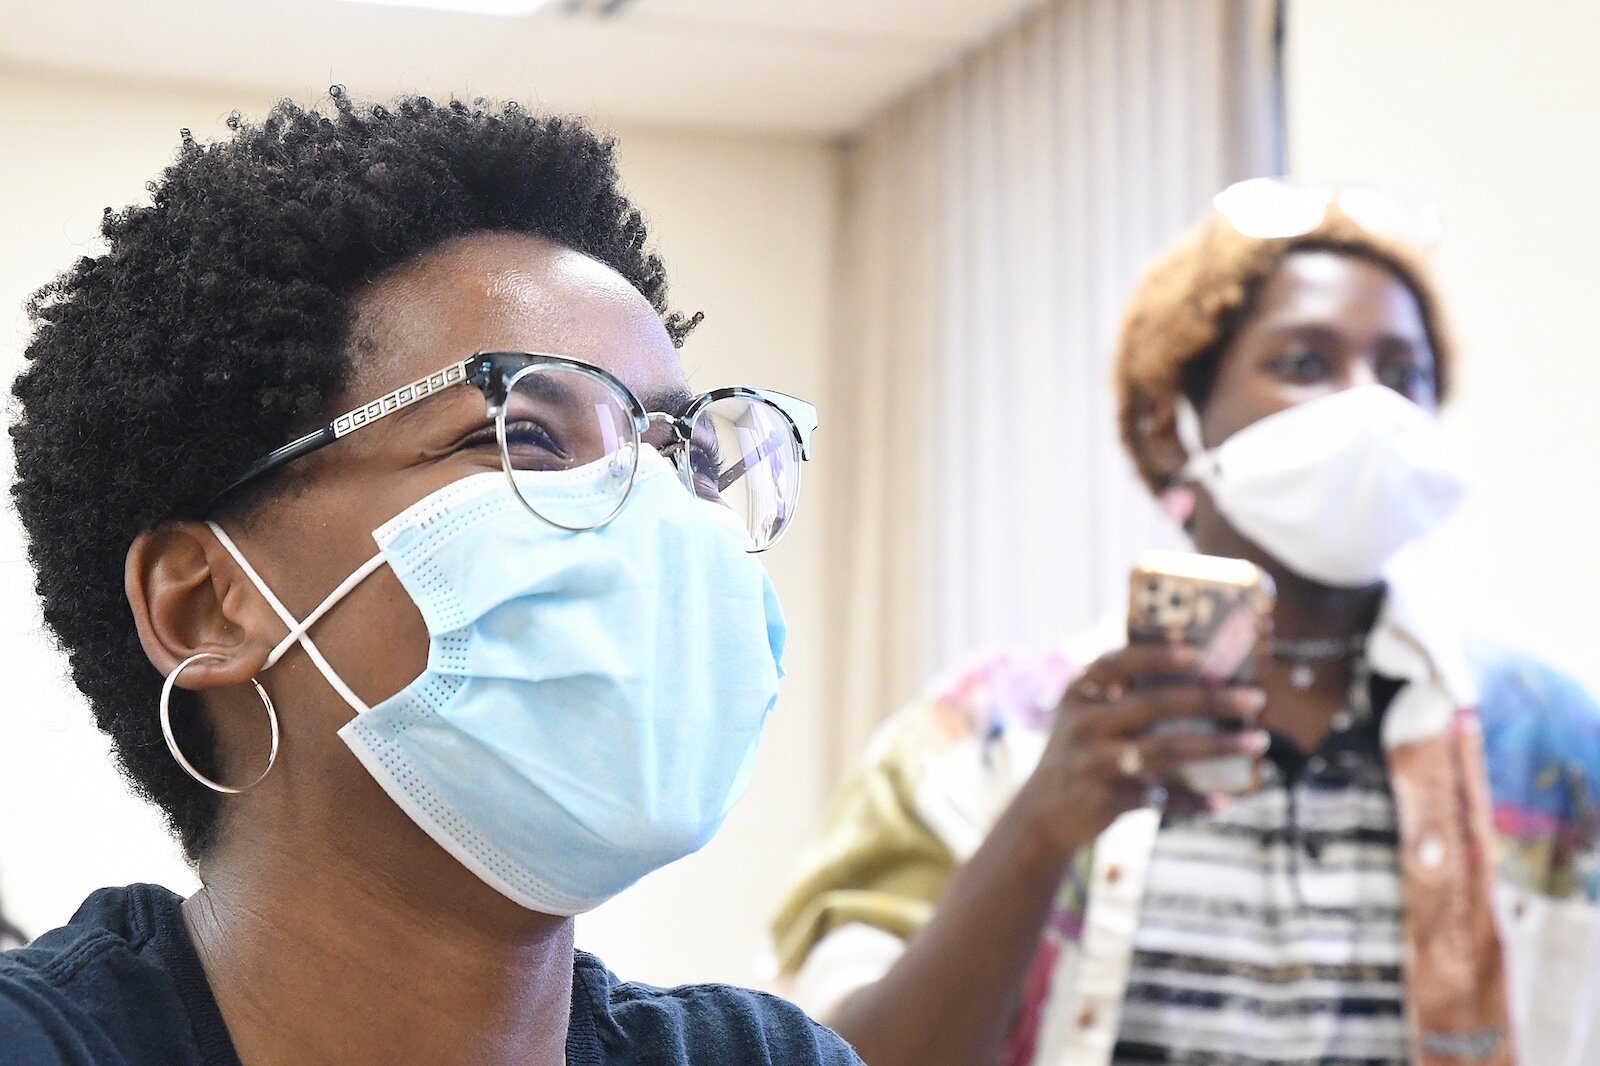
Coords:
pixel 172 743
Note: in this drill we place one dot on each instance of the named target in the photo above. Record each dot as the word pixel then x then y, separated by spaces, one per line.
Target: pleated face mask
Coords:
pixel 592 700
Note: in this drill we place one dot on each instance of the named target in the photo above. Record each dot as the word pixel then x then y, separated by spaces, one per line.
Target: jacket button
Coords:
pixel 1430 852
pixel 1085 1018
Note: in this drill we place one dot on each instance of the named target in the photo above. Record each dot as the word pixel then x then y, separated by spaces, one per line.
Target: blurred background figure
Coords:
pixel 925 215
pixel 998 885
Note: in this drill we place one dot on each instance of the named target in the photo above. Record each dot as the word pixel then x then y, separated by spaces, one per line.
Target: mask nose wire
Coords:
pixel 297 630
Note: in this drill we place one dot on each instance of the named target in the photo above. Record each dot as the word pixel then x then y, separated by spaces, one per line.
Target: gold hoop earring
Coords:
pixel 172 743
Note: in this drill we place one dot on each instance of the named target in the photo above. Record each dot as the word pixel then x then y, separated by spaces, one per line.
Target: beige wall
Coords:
pixel 746 227
pixel 1491 110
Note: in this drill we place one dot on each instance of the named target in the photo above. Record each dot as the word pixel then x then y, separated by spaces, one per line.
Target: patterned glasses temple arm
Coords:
pixel 400 398
pixel 352 420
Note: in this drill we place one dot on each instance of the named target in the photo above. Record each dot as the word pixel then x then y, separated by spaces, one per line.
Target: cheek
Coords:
pixel 1242 399
pixel 1425 396
pixel 375 638
pixel 1243 391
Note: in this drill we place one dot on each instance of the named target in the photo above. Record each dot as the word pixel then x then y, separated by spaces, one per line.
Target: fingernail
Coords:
pixel 1256 741
pixel 1218 801
pixel 1255 701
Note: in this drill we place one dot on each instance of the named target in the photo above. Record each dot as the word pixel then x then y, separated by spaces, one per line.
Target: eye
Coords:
pixel 528 441
pixel 1407 378
pixel 705 464
pixel 482 437
pixel 704 460
pixel 1302 365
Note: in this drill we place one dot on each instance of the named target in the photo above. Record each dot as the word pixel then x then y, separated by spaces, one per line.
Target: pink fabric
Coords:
pixel 1022 1042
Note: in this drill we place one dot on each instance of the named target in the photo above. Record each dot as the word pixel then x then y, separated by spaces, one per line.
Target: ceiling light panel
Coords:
pixel 503 8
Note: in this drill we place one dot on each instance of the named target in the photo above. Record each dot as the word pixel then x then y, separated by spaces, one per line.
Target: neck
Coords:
pixel 1304 610
pixel 310 957
pixel 1308 611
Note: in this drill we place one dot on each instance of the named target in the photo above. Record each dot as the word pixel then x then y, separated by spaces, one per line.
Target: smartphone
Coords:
pixel 1223 608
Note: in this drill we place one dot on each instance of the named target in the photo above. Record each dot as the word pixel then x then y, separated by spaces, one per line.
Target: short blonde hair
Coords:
pixel 1195 296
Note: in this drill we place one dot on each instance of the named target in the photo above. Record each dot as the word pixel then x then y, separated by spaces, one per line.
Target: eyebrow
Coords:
pixel 1307 329
pixel 1330 334
pixel 544 387
pixel 673 401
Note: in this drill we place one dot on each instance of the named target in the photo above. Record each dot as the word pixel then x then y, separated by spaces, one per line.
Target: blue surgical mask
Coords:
pixel 592 701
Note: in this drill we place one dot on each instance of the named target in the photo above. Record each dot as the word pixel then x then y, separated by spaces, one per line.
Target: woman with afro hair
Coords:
pixel 366 496
pixel 1025 872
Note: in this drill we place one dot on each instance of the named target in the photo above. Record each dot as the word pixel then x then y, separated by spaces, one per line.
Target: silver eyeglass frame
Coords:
pixel 495 373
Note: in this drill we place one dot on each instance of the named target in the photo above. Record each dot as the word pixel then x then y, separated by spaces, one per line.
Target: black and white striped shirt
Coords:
pixel 1270 933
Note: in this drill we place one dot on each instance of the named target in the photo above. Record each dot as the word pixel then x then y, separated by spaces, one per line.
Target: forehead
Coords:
pixel 1340 291
pixel 507 292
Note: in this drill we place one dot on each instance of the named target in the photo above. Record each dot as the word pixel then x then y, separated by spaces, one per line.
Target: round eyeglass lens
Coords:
pixel 568 443
pixel 744 456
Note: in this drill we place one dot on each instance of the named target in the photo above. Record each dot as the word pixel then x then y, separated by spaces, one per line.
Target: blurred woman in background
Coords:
pixel 1018 874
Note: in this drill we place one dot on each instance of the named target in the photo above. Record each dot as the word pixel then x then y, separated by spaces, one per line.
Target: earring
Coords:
pixel 1178 502
pixel 172 743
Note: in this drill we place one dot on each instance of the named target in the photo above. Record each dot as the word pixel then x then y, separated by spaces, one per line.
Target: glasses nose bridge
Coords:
pixel 676 449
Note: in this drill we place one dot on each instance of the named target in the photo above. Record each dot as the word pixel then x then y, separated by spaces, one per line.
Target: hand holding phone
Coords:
pixel 1223 609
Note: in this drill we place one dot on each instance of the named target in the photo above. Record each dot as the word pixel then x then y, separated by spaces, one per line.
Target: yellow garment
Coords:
pixel 877 862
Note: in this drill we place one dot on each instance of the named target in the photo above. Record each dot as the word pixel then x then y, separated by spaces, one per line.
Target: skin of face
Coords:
pixel 490 291
pixel 317 861
pixel 1323 322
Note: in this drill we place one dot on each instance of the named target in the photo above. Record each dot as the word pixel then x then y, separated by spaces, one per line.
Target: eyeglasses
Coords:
pixel 739 447
pixel 1272 209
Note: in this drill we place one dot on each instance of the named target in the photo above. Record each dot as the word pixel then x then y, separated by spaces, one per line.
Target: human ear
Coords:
pixel 1155 440
pixel 188 597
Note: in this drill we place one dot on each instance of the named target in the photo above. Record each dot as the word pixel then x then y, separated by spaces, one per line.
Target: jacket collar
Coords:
pixel 1413 642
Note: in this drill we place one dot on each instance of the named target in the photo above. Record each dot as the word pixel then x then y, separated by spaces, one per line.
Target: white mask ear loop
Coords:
pixel 297 630
pixel 1186 421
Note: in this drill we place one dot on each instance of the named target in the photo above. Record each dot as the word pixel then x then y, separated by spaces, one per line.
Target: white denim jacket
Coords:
pixel 1499 837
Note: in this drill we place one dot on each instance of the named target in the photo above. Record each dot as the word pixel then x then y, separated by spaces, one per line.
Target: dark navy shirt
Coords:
pixel 121 984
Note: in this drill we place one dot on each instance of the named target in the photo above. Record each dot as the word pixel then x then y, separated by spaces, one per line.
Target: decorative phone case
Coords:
pixel 1223 607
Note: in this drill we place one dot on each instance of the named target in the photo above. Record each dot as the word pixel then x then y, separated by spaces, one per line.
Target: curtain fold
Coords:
pixel 994 222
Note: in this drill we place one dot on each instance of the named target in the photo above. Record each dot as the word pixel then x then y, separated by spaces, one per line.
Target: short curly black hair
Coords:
pixel 213 328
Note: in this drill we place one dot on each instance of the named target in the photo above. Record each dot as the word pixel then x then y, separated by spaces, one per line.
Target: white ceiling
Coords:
pixel 801 66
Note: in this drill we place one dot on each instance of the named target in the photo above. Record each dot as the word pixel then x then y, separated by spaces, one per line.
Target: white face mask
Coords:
pixel 1332 488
